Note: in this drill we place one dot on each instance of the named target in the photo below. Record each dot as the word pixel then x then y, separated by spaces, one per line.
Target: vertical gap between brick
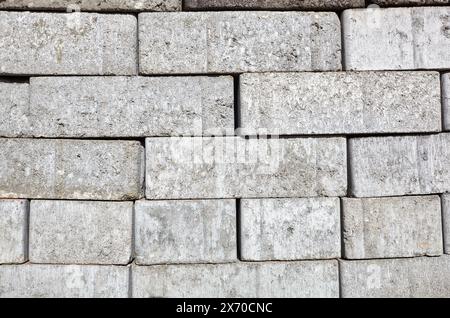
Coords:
pixel 238 228
pixel 339 14
pixel 340 278
pixel 133 235
pixel 349 169
pixel 443 223
pixel 138 71
pixel 341 215
pixel 237 102
pixel 27 233
pixel 443 110
pixel 130 281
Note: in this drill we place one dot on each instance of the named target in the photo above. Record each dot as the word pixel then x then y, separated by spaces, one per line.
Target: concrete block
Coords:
pixel 392 227
pixel 273 4
pixel 290 229
pixel 247 280
pixel 77 232
pixel 403 165
pixel 130 106
pixel 13 231
pixel 341 103
pixel 14 106
pixel 71 169
pixel 396 38
pixel 234 167
pixel 396 278
pixel 185 232
pixel 235 42
pixel 72 44
pixel 63 281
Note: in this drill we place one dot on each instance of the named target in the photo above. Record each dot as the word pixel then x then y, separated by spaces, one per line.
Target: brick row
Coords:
pixel 273 4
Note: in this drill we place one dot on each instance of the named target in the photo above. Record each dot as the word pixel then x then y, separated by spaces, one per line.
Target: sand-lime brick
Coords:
pixel 248 280
pixel 185 231
pixel 14 105
pixel 273 4
pixel 234 42
pixel 71 169
pixel 13 231
pixel 290 229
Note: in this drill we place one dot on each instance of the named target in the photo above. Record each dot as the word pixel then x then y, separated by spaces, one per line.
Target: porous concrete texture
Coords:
pixel 341 103
pixel 63 281
pixel 389 3
pixel 446 100
pixel 290 229
pixel 130 106
pixel 233 42
pixel 446 221
pixel 273 4
pixel 14 102
pixel 13 231
pixel 185 232
pixel 58 43
pixel 93 5
pixel 233 167
pixel 248 280
pixel 392 227
pixel 422 277
pixel 396 38
pixel 71 169
pixel 401 165
pixel 77 232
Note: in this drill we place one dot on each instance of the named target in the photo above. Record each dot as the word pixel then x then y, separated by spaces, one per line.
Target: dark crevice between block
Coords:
pixel 237 102
pixel 15 79
pixel 238 229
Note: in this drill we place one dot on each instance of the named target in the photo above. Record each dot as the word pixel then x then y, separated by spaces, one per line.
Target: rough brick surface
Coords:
pixel 273 4
pixel 446 100
pixel 93 5
pixel 130 106
pixel 416 277
pixel 446 221
pixel 77 232
pixel 388 3
pixel 232 42
pixel 290 229
pixel 249 280
pixel 185 232
pixel 341 103
pixel 13 231
pixel 392 227
pixel 14 102
pixel 397 38
pixel 59 281
pixel 387 166
pixel 235 167
pixel 70 169
pixel 56 43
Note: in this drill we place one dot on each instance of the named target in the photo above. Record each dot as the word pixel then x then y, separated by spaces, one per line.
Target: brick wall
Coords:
pixel 224 148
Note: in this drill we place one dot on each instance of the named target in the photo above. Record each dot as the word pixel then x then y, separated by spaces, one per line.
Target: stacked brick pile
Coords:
pixel 124 170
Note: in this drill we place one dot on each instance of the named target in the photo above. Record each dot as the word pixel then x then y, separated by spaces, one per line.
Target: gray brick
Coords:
pixel 70 169
pixel 235 167
pixel 446 221
pixel 446 100
pixel 130 106
pixel 93 5
pixel 76 232
pixel 273 4
pixel 397 38
pixel 341 103
pixel 232 42
pixel 392 227
pixel 13 231
pixel 63 281
pixel 14 102
pixel 185 231
pixel 396 278
pixel 391 166
pixel 248 280
pixel 290 229
pixel 56 43
pixel 388 3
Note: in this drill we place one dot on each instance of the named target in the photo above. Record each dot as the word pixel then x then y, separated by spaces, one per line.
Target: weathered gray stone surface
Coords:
pixel 446 100
pixel 14 102
pixel 71 169
pixel 63 281
pixel 233 42
pixel 341 103
pixel 388 3
pixel 273 4
pixel 392 227
pixel 290 229
pixel 13 231
pixel 446 221
pixel 77 232
pixel 57 43
pixel 130 106
pixel 185 231
pixel 229 167
pixel 93 5
pixel 252 280
pixel 397 278
pixel 390 166
pixel 397 38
